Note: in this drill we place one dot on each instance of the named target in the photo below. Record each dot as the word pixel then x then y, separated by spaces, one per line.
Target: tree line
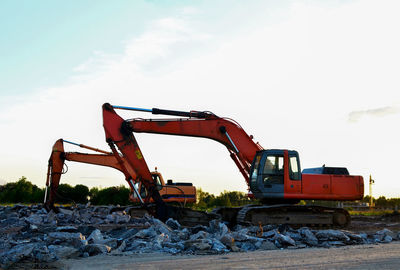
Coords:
pixel 383 202
pixel 23 191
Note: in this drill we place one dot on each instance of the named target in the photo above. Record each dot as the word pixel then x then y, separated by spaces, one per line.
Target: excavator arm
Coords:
pixel 241 147
pixel 119 135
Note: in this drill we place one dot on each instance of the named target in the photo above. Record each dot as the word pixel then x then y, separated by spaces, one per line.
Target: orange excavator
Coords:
pixel 273 176
pixel 170 192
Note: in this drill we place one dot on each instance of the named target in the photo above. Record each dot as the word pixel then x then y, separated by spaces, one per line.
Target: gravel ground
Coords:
pixel 381 256
pixel 106 237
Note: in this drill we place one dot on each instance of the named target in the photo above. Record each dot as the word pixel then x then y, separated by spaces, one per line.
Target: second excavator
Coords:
pixel 273 176
pixel 170 192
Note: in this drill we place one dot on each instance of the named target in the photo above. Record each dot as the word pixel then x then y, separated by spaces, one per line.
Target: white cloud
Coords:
pixel 378 112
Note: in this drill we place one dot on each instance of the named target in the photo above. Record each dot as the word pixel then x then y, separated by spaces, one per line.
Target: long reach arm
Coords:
pixel 240 145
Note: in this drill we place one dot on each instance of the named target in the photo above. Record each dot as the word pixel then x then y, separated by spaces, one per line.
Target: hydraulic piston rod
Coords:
pixel 194 114
pixel 88 147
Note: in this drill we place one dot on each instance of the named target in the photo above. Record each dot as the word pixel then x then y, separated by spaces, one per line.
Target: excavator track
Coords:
pixel 294 215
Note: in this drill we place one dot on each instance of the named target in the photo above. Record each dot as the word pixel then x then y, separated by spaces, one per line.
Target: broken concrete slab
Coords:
pixel 95 249
pixel 325 235
pixel 64 252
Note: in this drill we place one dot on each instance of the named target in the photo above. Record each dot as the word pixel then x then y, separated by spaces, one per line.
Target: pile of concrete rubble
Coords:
pixel 30 234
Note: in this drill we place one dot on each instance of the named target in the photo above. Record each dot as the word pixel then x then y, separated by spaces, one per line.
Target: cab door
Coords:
pixel 271 174
pixel 293 181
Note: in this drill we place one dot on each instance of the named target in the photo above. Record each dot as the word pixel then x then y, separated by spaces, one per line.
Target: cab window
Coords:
pixel 294 172
pixel 142 190
pixel 254 173
pixel 273 170
pixel 156 179
pixel 273 165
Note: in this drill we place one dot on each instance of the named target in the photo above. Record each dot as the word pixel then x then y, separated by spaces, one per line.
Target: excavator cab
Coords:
pixel 272 170
pixel 142 189
pixel 156 178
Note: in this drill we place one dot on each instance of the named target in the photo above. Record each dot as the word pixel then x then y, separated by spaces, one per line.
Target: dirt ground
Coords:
pixel 370 224
pixel 382 256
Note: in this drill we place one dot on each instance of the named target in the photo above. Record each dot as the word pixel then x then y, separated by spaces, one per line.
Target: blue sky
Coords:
pixel 42 41
pixel 317 77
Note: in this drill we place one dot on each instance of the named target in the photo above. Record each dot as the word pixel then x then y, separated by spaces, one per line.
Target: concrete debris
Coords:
pixel 268 245
pixel 387 232
pixel 199 235
pixel 63 252
pixel 67 229
pixel 282 240
pixel 198 244
pixel 308 237
pixel 228 240
pixel 76 240
pixel 149 233
pixel 65 236
pixel 34 219
pixel 28 233
pixel 95 237
pixel 269 234
pixel 325 235
pixel 66 212
pixel 240 236
pixel 173 224
pixel 95 249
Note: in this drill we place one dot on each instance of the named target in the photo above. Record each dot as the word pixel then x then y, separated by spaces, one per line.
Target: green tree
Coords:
pixel 65 193
pixel 207 201
pixel 381 202
pixel 223 200
pixel 37 194
pixel 21 191
pixel 80 194
pixel 93 193
pixel 112 195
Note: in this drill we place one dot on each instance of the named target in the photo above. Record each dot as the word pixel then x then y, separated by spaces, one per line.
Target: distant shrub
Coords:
pixel 112 195
pixel 207 201
pixel 21 191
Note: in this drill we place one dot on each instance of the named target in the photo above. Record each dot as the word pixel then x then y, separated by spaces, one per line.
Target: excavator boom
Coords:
pixel 240 145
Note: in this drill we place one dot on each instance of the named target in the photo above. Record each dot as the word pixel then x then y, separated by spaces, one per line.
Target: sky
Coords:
pixel 319 77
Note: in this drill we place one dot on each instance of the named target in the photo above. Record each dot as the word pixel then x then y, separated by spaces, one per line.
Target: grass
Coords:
pixel 372 212
pixel 30 204
pixel 12 204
